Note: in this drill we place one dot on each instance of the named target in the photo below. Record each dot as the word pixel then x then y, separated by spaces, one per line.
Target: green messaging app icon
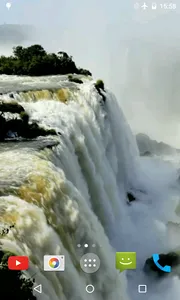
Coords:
pixel 125 261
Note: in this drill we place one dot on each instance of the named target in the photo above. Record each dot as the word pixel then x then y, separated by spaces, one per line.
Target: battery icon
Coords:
pixel 154 5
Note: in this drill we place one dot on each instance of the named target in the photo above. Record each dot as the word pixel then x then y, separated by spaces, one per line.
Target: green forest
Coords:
pixel 35 61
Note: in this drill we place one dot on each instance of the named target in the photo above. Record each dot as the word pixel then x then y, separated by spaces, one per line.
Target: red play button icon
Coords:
pixel 18 263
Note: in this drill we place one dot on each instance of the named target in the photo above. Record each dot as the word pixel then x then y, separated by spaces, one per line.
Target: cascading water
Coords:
pixel 76 193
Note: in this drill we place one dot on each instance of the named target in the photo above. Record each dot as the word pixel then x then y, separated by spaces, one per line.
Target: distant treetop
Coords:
pixel 35 61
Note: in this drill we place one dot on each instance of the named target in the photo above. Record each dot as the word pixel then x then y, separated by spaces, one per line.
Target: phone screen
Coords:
pixel 89 150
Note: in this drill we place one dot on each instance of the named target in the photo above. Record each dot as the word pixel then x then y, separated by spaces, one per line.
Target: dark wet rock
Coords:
pixel 33 130
pixel 20 127
pixel 24 117
pixel 146 153
pixel 11 95
pixel 11 107
pixel 28 131
pixel 14 124
pixel 99 85
pixel 2 127
pixel 130 197
pixel 171 259
pixel 74 79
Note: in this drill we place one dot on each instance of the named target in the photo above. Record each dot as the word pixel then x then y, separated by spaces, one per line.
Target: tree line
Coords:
pixel 35 61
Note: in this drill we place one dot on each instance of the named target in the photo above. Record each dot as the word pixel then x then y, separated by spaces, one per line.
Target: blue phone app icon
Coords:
pixel 166 269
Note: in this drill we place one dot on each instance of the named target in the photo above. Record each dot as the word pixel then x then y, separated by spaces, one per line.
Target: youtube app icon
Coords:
pixel 19 263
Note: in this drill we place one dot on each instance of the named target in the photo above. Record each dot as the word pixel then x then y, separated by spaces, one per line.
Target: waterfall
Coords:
pixel 68 195
pixel 76 192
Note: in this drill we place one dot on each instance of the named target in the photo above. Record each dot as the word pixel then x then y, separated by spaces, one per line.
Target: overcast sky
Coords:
pixel 88 30
pixel 124 46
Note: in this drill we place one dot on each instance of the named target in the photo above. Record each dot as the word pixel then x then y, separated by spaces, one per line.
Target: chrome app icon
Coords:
pixel 54 263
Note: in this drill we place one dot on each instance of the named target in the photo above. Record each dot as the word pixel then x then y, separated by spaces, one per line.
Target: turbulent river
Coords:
pixel 75 192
